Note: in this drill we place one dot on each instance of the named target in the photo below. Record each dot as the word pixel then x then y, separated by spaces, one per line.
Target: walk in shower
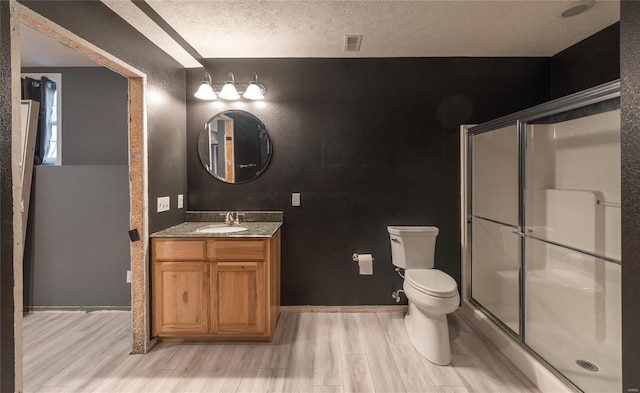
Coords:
pixel 543 233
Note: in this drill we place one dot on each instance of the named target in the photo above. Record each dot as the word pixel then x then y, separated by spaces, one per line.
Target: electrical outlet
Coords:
pixel 180 201
pixel 164 204
pixel 295 199
pixel 129 276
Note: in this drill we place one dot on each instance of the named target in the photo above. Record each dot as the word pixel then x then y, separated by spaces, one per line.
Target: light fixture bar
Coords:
pixel 229 89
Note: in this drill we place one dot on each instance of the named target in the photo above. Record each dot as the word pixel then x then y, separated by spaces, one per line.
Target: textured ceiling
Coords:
pixel 428 28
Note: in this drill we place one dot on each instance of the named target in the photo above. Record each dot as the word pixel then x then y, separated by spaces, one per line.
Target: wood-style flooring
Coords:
pixel 310 353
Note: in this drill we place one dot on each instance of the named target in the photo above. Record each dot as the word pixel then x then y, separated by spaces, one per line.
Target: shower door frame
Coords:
pixel 594 95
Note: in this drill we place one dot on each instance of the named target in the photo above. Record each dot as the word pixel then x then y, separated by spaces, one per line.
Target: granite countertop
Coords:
pixel 190 229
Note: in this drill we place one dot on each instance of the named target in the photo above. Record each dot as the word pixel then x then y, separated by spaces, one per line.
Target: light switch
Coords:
pixel 180 201
pixel 295 199
pixel 164 204
pixel 129 276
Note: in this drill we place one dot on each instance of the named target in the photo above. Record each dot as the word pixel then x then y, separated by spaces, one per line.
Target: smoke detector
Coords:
pixel 352 43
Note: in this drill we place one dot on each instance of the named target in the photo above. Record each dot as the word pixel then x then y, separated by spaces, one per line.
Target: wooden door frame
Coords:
pixel 138 179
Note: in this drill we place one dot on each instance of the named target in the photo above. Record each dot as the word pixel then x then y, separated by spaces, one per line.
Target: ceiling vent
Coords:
pixel 352 43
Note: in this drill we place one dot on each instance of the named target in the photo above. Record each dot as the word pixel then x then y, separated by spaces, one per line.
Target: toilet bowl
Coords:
pixel 426 320
pixel 432 294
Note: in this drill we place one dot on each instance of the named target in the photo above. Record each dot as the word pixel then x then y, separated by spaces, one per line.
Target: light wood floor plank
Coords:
pixel 219 364
pixel 100 371
pixel 76 344
pixel 269 380
pixel 327 362
pixel 357 375
pixel 442 375
pixel 116 374
pixel 299 374
pixel 350 338
pixel 384 372
pixel 113 343
pixel 159 356
pixel 244 369
pixel 311 353
pixel 368 321
pixel 451 389
pixel 409 362
pixel 474 379
pixel 505 375
pixel 276 355
pixel 328 389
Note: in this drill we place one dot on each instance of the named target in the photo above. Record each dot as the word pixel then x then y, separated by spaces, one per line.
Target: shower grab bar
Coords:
pixel 610 204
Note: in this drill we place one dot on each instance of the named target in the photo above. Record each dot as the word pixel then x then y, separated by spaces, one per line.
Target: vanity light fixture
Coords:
pixel 254 90
pixel 228 90
pixel 205 91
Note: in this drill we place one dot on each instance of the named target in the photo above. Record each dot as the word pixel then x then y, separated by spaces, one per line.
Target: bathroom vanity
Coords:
pixel 217 282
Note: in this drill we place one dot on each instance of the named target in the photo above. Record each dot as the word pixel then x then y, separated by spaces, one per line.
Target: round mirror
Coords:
pixel 234 146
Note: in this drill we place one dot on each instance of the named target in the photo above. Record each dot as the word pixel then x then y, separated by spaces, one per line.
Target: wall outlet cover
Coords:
pixel 129 276
pixel 180 201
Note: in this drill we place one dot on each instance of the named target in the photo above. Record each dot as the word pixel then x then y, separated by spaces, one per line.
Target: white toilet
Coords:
pixel 432 293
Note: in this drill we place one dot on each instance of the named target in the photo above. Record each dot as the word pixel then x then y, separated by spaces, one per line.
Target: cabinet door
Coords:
pixel 238 299
pixel 181 297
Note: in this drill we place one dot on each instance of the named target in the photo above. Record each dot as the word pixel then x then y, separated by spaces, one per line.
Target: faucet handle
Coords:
pixel 238 217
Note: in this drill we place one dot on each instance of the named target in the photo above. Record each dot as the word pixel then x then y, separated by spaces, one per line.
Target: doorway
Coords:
pixel 137 175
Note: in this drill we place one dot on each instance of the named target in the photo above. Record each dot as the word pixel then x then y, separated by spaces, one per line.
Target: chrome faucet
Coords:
pixel 232 218
pixel 229 218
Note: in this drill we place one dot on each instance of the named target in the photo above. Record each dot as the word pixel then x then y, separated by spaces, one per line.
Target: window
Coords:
pixel 53 152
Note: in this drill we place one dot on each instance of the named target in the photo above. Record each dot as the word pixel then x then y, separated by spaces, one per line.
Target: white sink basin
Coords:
pixel 221 229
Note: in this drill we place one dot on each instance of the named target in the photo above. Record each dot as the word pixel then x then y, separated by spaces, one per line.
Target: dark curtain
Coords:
pixel 43 91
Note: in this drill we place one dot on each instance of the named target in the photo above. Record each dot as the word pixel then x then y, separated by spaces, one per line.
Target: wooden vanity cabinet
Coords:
pixel 181 297
pixel 224 289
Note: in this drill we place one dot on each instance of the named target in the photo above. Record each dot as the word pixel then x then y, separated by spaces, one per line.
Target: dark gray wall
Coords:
pixel 165 93
pixel 94 115
pixel 368 143
pixel 590 62
pixel 630 80
pixel 7 348
pixel 77 250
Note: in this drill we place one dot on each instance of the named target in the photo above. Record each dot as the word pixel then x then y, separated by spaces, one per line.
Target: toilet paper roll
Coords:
pixel 365 263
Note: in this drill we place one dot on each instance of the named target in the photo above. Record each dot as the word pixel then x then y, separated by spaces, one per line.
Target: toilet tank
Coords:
pixel 413 247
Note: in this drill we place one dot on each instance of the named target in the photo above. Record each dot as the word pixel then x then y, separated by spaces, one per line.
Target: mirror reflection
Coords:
pixel 235 146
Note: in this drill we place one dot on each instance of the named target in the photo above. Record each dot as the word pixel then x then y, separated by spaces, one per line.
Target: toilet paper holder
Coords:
pixel 356 258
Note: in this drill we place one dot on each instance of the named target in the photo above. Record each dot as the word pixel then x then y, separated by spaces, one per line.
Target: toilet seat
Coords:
pixel 432 282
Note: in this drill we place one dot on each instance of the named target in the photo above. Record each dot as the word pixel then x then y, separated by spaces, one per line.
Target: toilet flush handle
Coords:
pixel 393 239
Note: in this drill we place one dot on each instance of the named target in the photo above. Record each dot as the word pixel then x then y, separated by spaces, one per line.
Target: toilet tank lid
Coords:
pixel 416 231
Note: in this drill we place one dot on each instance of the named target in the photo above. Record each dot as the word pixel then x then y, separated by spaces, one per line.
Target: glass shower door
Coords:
pixel 495 250
pixel 572 244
